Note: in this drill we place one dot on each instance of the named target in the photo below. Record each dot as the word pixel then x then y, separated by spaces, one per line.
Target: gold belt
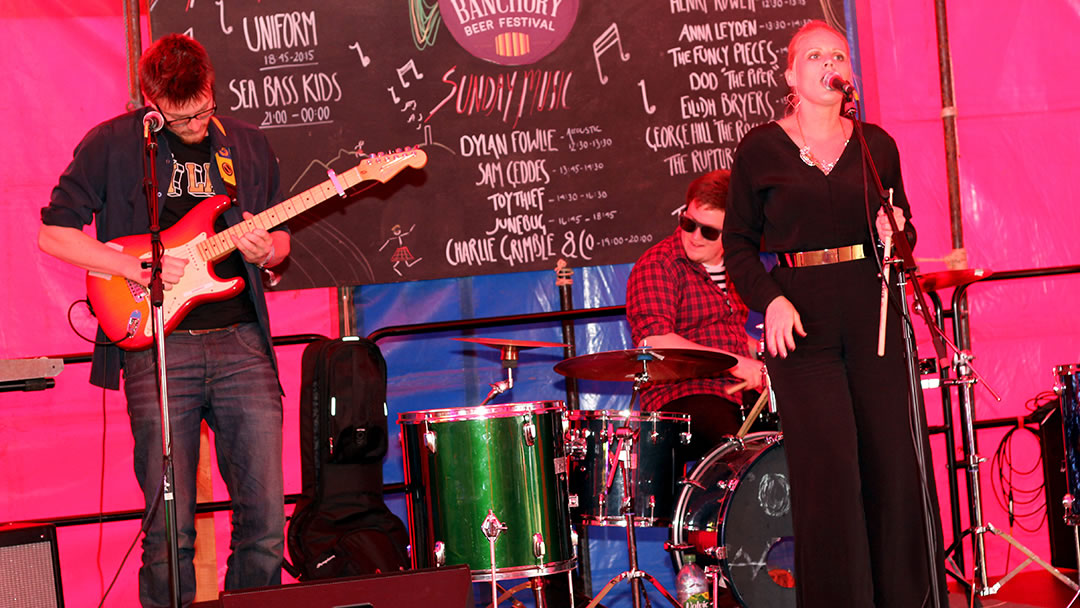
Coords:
pixel 799 259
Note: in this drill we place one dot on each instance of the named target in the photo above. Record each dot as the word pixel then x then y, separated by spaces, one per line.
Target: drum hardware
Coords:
pixel 713 576
pixel 966 378
pixel 1067 387
pixel 508 355
pixel 647 364
pixel 492 528
pixel 742 478
pixel 624 459
pixel 470 478
pixel 933 281
pixel 641 365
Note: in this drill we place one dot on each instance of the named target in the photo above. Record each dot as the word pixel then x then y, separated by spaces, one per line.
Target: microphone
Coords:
pixel 836 82
pixel 153 121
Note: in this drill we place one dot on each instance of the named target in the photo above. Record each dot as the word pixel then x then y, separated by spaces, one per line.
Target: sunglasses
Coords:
pixel 707 232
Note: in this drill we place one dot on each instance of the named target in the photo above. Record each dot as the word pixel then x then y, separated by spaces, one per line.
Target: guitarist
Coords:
pixel 221 367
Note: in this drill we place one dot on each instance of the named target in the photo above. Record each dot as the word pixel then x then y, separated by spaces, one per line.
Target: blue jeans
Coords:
pixel 226 378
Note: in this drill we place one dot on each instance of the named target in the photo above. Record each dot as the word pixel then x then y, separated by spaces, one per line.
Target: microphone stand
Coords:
pixel 908 268
pixel 157 300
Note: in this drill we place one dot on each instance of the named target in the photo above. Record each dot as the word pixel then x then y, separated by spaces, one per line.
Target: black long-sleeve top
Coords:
pixel 777 203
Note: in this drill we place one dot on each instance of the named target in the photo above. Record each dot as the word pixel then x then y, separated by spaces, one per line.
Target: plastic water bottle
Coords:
pixel 691 587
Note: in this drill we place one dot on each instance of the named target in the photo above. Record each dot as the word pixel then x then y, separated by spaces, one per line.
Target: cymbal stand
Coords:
pixel 623 457
pixel 967 376
pixel 508 354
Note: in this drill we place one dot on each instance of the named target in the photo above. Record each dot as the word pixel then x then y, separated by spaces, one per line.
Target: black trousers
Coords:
pixel 861 532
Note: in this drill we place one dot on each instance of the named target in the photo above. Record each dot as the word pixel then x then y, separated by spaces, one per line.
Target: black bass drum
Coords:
pixel 734 511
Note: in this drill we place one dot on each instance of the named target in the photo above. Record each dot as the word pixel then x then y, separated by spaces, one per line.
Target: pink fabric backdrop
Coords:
pixel 1016 98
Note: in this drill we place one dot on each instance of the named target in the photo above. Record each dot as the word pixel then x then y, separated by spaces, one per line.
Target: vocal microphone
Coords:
pixel 836 82
pixel 153 121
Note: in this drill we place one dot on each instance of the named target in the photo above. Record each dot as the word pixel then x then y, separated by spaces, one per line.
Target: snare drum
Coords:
pixel 490 471
pixel 606 444
pixel 1068 387
pixel 735 511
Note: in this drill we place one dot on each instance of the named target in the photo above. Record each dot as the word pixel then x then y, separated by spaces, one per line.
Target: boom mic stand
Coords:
pixel 157 300
pixel 918 428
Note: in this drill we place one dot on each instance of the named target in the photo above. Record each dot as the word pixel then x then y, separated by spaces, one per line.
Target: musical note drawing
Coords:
pixel 649 108
pixel 364 59
pixel 608 39
pixel 393 95
pixel 408 67
pixel 401 253
pixel 224 29
pixel 409 105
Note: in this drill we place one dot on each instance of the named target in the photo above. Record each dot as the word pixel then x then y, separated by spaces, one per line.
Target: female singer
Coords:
pixel 799 189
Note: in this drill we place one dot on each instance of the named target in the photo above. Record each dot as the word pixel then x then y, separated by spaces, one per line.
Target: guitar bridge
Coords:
pixel 138 292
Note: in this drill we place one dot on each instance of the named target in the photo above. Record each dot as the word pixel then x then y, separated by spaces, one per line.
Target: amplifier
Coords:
pixel 30 566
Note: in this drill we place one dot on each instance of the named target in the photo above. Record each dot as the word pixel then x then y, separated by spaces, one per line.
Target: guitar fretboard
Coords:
pixel 381 168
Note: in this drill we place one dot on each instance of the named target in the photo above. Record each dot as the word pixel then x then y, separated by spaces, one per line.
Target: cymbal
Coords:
pixel 952 278
pixel 501 342
pixel 660 363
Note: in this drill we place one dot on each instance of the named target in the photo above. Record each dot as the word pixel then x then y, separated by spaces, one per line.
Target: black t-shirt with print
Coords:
pixel 188 185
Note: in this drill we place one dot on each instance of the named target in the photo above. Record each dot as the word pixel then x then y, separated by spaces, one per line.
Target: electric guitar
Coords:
pixel 123 306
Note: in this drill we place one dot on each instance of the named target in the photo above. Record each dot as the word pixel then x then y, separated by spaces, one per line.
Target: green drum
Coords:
pixel 496 471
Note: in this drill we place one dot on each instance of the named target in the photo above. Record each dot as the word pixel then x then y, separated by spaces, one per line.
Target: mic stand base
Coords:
pixel 984 590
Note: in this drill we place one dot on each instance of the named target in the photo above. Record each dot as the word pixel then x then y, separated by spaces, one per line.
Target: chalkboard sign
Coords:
pixel 553 129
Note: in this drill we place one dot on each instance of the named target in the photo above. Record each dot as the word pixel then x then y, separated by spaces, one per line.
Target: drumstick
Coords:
pixel 884 290
pixel 884 299
pixel 745 428
pixel 734 388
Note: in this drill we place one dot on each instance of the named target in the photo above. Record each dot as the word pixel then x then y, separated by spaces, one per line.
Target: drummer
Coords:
pixel 678 296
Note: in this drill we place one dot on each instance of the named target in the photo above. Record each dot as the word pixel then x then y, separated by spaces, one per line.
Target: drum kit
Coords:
pixel 497 486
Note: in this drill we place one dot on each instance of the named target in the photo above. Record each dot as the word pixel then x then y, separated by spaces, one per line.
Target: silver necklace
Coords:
pixel 809 158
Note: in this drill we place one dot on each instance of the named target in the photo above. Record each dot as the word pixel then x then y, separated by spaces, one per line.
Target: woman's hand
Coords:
pixel 782 322
pixel 884 228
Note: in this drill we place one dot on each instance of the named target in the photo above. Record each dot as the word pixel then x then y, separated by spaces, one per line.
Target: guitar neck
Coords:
pixel 379 168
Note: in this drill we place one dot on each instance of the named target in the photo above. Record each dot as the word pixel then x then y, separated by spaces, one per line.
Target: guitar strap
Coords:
pixel 225 164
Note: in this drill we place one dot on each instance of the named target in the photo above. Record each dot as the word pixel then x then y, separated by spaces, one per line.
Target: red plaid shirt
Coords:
pixel 668 293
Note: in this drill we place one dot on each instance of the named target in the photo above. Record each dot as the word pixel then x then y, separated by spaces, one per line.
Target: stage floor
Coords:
pixel 1033 588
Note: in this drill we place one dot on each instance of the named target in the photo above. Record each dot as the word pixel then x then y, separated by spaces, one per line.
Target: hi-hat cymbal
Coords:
pixel 501 342
pixel 660 363
pixel 952 278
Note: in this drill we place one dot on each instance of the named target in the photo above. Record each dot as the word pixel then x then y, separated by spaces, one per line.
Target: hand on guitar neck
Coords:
pixel 116 282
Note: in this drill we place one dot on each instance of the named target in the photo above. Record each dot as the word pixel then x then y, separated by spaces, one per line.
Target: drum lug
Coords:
pixel 684 438
pixel 539 548
pixel 573 501
pixel 439 554
pixel 529 430
pixel 429 441
pixel 692 482
pixel 652 507
pixel 492 527
pixel 575 445
pixel 716 552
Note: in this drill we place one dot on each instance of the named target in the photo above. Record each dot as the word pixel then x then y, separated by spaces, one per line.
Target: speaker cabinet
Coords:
pixel 30 567
pixel 449 587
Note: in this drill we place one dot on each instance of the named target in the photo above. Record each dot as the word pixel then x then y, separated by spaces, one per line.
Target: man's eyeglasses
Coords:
pixel 182 122
pixel 707 232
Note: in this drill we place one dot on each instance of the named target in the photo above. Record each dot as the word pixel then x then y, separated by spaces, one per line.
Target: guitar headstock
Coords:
pixel 385 165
